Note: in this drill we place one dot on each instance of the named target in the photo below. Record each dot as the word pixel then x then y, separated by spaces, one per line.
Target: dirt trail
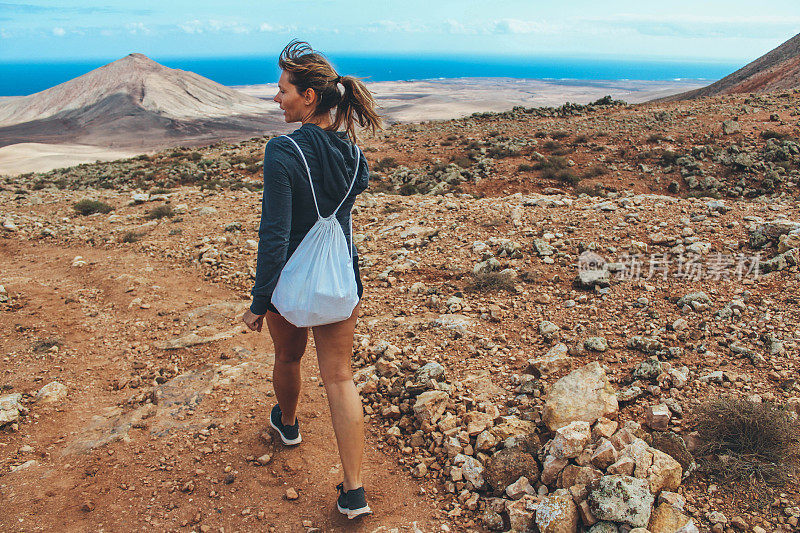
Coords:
pixel 107 461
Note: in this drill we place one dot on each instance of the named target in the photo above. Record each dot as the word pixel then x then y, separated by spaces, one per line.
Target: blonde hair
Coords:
pixel 308 69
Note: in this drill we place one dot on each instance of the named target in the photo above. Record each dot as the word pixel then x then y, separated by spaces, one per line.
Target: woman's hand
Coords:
pixel 253 321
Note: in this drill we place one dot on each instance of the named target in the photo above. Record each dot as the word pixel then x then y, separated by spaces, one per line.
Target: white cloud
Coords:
pixel 59 32
pixel 197 26
pixel 719 26
pixel 517 26
pixel 138 28
pixel 192 26
pixel 456 27
pixel 278 28
pixel 390 26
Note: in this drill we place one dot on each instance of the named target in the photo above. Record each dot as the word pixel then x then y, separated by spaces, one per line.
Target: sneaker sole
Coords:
pixel 288 442
pixel 353 514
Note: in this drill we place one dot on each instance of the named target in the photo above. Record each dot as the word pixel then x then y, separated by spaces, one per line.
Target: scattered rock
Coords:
pixel 666 519
pixel 10 408
pixel 557 513
pixel 430 405
pixel 584 394
pixel 507 466
pixel 622 499
pixel 51 393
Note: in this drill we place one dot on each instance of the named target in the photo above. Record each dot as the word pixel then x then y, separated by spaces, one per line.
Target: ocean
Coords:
pixel 22 78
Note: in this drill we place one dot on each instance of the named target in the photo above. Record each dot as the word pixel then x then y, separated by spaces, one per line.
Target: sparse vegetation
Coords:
pixel 556 168
pixel 594 171
pixel 393 208
pixel 160 212
pixel 130 236
pixel 387 163
pixel 656 137
pixel 88 207
pixel 744 439
pixel 42 345
pixel 490 282
pixel 407 189
pixel 771 134
pixel 500 152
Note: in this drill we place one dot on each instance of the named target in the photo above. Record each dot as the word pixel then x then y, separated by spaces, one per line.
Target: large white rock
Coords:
pixel 622 499
pixel 52 392
pixel 584 394
pixel 555 360
pixel 10 408
pixel 473 472
pixel 430 405
pixel 668 519
pixel 659 469
pixel 570 440
pixel 557 513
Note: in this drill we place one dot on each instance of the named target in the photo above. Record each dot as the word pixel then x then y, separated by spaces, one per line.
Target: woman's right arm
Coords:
pixel 276 223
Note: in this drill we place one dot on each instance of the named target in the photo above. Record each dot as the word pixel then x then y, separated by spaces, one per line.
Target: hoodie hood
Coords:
pixel 336 157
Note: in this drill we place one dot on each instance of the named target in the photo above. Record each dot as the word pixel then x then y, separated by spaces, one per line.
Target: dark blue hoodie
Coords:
pixel 287 207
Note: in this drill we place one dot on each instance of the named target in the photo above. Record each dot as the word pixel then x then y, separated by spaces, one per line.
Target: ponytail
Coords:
pixel 309 69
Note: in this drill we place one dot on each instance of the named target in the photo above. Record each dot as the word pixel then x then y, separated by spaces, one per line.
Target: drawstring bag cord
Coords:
pixel 314 195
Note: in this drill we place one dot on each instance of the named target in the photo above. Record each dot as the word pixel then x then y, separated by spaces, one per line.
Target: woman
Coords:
pixel 309 93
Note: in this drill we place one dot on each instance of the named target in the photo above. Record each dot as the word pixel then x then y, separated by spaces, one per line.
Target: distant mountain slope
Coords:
pixel 778 70
pixel 134 101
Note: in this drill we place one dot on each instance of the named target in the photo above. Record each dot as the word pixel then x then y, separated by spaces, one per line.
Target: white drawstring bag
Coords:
pixel 318 284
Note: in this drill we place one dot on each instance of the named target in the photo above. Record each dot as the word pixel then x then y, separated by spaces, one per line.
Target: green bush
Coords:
pixel 87 207
pixel 556 168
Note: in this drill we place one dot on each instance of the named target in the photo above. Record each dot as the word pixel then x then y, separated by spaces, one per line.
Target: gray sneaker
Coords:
pixel 352 503
pixel 290 435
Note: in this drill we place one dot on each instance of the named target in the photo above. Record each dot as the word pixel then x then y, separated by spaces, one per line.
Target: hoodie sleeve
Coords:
pixel 273 232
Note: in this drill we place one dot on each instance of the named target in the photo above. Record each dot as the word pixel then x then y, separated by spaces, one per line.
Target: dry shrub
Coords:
pixel 748 440
pixel 88 207
pixel 160 212
pixel 42 345
pixel 489 282
pixel 131 236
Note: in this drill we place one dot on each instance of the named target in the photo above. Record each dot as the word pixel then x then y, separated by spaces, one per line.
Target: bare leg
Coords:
pixel 290 345
pixel 334 344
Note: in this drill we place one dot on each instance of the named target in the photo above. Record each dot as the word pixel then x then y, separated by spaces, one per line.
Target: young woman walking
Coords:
pixel 309 93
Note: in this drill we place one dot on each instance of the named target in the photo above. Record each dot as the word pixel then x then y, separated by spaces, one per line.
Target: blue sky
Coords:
pixel 730 30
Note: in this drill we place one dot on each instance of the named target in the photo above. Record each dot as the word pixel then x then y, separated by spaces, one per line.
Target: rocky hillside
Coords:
pixel 552 297
pixel 775 71
pixel 132 102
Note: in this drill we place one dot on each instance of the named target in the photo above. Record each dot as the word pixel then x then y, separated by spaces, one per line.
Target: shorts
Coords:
pixel 359 286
